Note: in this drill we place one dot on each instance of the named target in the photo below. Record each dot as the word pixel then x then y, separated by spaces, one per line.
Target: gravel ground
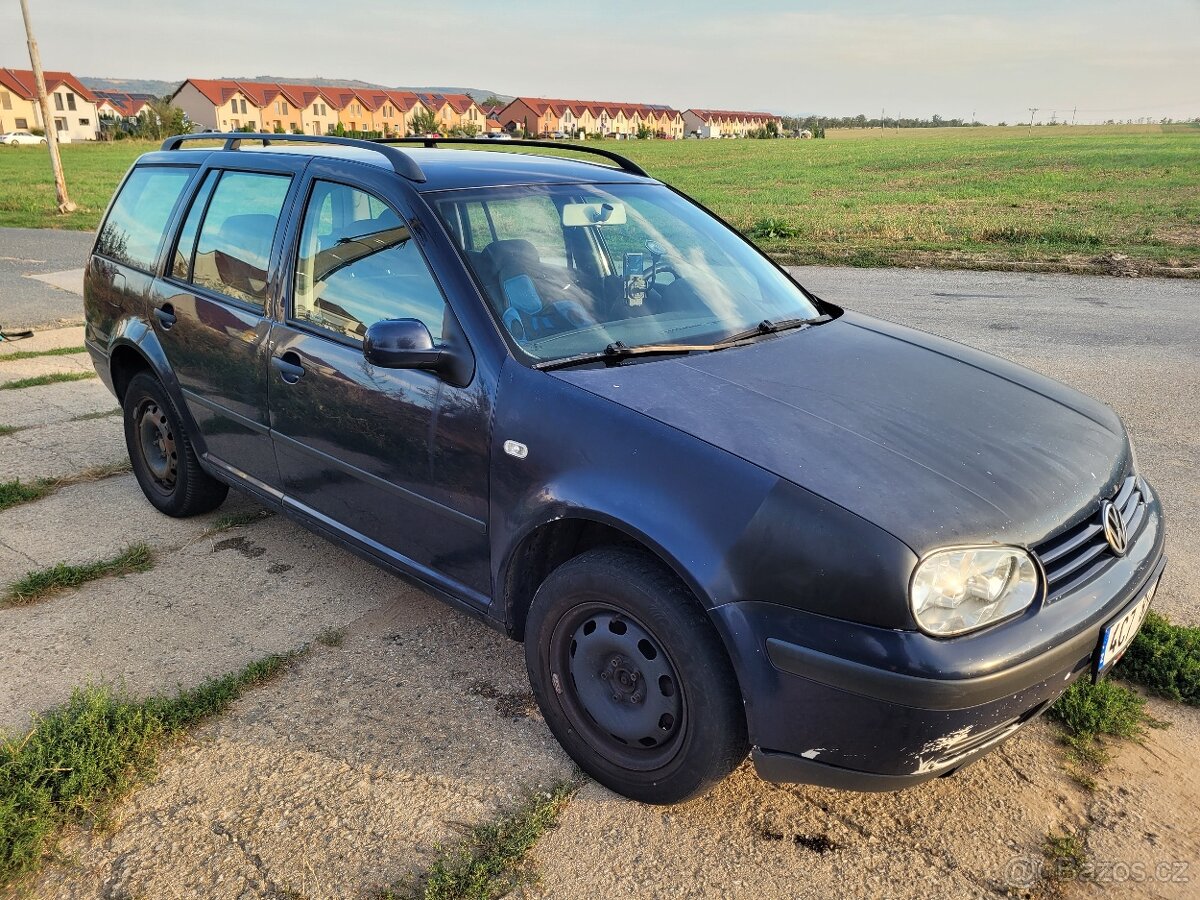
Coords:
pixel 345 773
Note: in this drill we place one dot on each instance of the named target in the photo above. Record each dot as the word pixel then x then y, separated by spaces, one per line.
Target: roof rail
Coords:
pixel 402 163
pixel 625 164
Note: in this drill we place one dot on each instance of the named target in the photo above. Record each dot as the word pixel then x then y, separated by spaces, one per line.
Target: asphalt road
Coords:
pixel 25 254
pixel 1132 342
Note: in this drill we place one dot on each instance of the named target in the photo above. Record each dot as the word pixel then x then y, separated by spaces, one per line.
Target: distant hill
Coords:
pixel 163 88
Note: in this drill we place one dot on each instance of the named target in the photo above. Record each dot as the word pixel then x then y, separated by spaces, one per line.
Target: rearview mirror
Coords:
pixel 575 215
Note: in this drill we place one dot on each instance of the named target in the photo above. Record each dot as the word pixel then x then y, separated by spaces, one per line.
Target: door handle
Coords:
pixel 166 316
pixel 289 366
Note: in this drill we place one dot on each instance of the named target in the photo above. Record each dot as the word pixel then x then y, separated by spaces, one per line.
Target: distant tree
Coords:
pixel 423 122
pixel 644 132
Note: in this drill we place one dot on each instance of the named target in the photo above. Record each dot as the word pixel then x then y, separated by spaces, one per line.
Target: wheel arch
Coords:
pixel 545 546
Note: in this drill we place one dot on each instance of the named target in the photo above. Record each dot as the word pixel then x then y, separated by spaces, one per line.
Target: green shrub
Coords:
pixel 1165 658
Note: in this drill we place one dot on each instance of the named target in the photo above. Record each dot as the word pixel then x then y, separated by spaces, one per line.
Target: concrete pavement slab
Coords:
pixel 335 781
pixel 96 520
pixel 207 608
pixel 70 280
pixel 20 369
pixel 62 448
pixel 44 339
pixel 54 403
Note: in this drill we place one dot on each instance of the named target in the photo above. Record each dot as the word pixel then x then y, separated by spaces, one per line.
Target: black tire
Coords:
pixel 162 455
pixel 633 678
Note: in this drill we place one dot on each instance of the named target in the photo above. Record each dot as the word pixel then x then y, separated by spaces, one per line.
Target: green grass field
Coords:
pixel 1054 198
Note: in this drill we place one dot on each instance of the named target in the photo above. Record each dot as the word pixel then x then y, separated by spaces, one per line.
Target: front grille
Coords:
pixel 1080 553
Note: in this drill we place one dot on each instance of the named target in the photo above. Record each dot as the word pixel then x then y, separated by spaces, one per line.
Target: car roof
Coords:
pixel 445 169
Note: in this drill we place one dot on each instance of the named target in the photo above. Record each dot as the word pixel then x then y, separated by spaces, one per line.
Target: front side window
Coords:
pixel 233 249
pixel 358 264
pixel 571 269
pixel 134 228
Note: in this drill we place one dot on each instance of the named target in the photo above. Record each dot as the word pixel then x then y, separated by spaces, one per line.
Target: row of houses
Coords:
pixel 230 105
pixel 78 112
pixel 545 117
pixel 223 105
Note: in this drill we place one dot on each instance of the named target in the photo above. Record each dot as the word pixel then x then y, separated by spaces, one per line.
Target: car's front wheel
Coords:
pixel 632 677
pixel 162 455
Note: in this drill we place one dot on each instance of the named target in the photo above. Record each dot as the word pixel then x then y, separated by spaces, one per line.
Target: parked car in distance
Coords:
pixel 723 514
pixel 499 136
pixel 13 138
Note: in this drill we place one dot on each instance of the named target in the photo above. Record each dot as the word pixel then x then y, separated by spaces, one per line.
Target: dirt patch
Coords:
pixel 511 705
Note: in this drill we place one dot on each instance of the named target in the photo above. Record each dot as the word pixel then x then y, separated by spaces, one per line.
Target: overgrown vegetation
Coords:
pixel 1165 658
pixel 51 378
pixel 238 520
pixel 965 198
pixel 332 637
pixel 81 757
pixel 491 861
pixel 1088 712
pixel 13 493
pixel 10 429
pixel 33 354
pixel 772 229
pixel 1067 855
pixel 16 492
pixel 43 583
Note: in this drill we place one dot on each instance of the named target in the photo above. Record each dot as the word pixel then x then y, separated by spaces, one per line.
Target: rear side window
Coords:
pixel 134 228
pixel 233 248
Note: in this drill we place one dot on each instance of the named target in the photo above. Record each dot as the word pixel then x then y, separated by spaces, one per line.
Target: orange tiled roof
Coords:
pixel 21 82
pixel 708 115
pixel 557 106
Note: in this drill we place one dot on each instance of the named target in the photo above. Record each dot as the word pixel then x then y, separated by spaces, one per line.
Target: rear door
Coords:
pixel 396 459
pixel 214 314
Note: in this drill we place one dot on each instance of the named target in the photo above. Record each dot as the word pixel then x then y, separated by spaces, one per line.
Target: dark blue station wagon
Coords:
pixel 724 515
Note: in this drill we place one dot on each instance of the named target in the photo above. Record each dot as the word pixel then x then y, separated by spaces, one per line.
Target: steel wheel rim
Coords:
pixel 618 686
pixel 156 445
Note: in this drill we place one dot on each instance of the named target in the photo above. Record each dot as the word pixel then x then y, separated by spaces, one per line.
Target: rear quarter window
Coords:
pixel 135 226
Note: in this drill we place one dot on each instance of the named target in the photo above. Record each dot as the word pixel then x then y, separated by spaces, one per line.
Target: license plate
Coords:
pixel 1119 634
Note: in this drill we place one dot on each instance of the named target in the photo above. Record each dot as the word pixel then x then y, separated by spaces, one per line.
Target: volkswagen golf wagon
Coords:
pixel 724 515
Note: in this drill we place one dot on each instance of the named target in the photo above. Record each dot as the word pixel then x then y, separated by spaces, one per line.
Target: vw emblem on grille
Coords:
pixel 1114 527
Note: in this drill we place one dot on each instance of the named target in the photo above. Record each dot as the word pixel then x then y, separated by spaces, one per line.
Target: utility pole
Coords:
pixel 35 60
pixel 1073 111
pixel 1032 112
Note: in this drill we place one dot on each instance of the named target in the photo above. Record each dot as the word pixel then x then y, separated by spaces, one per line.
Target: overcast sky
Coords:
pixel 1110 59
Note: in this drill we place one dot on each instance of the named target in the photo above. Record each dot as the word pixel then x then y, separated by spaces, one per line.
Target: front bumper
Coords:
pixel 856 707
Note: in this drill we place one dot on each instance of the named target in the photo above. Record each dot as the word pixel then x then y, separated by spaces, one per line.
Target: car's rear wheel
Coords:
pixel 162 455
pixel 632 677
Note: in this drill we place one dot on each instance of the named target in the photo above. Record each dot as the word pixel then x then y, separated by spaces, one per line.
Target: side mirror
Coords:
pixel 400 344
pixel 407 344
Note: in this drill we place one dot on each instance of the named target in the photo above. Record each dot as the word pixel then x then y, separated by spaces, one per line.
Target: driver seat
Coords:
pixel 527 316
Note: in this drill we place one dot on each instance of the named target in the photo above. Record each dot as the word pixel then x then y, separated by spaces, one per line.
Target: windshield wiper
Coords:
pixel 766 326
pixel 619 350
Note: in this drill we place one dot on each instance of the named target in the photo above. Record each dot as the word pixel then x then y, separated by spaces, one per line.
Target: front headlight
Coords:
pixel 961 589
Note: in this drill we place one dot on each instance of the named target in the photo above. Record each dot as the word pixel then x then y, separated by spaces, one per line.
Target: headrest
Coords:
pixel 248 238
pixel 512 252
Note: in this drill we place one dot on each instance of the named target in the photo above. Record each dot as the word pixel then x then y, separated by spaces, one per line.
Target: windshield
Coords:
pixel 572 269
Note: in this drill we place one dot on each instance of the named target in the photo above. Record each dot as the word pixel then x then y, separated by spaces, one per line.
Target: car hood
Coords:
pixel 931 440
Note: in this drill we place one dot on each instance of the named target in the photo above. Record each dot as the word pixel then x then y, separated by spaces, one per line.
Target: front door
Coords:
pixel 396 459
pixel 212 315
